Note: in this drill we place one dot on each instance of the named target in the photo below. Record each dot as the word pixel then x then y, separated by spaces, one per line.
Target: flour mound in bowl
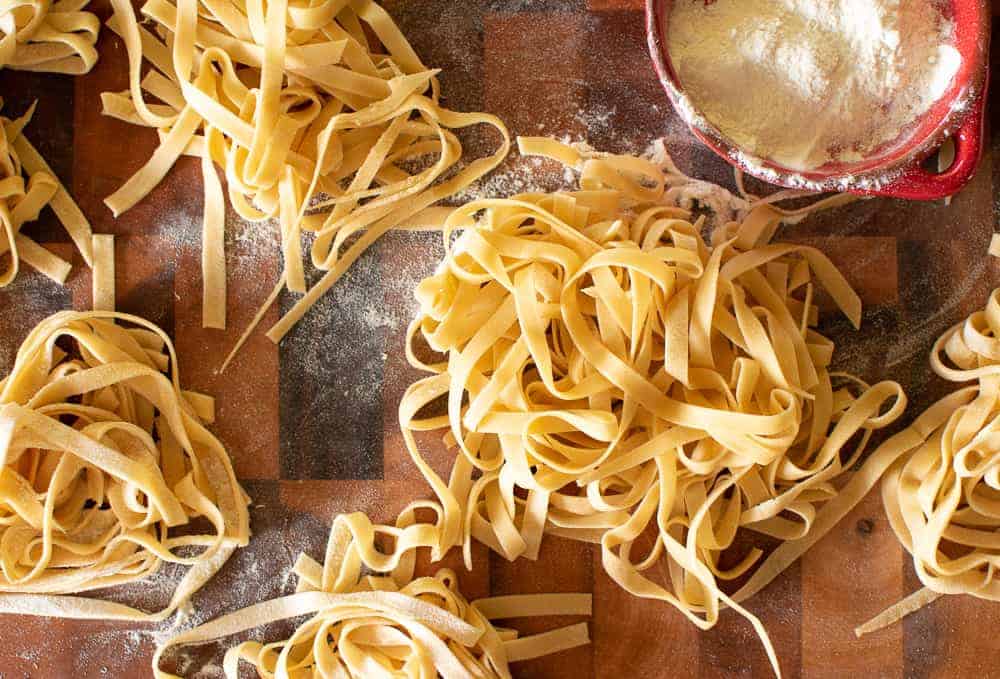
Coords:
pixel 806 82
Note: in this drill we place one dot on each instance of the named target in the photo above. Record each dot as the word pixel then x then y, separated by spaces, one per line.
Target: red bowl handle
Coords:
pixel 918 183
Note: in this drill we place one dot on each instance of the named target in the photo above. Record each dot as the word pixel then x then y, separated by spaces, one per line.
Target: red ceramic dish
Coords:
pixel 895 170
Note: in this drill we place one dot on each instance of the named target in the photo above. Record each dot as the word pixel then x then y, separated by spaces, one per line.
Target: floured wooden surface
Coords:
pixel 312 425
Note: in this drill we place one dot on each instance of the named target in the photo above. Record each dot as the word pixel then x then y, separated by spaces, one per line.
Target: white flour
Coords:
pixel 803 82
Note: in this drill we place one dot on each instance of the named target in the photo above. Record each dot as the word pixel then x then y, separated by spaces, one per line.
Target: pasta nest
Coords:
pixel 605 374
pixel 943 496
pixel 377 625
pixel 108 469
pixel 54 37
pixel 321 115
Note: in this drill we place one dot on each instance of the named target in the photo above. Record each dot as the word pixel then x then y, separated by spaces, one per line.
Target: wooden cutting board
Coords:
pixel 311 424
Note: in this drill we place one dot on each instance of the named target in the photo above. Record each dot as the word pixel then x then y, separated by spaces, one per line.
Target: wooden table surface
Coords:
pixel 311 424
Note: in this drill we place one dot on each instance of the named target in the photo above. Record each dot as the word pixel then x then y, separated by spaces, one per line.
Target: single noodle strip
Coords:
pixel 104 272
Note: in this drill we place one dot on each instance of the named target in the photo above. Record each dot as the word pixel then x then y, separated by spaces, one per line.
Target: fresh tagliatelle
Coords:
pixel 53 37
pixel 27 184
pixel 320 114
pixel 108 470
pixel 385 623
pixel 611 377
pixel 943 495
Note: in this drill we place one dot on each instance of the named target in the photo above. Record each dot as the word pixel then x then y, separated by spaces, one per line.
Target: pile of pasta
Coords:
pixel 606 375
pixel 385 623
pixel 27 184
pixel 54 37
pixel 108 470
pixel 320 114
pixel 942 496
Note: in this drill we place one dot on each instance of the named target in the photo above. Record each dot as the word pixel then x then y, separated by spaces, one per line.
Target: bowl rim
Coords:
pixel 871 176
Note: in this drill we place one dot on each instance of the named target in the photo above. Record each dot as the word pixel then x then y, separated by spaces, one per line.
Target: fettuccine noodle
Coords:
pixel 610 377
pixel 103 273
pixel 21 202
pixel 106 466
pixel 943 496
pixel 313 120
pixel 387 624
pixel 54 37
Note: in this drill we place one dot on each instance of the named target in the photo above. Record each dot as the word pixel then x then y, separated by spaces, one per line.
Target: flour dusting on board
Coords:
pixel 257 573
pixel 36 298
pixel 516 175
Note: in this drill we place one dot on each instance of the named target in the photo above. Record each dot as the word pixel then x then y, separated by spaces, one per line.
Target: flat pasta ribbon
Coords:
pixel 27 184
pixel 106 468
pixel 53 37
pixel 942 495
pixel 385 625
pixel 608 376
pixel 320 114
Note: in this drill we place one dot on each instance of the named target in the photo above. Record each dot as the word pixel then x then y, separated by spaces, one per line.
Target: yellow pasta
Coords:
pixel 103 273
pixel 385 624
pixel 54 37
pixel 105 460
pixel 27 184
pixel 320 113
pixel 943 496
pixel 609 376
